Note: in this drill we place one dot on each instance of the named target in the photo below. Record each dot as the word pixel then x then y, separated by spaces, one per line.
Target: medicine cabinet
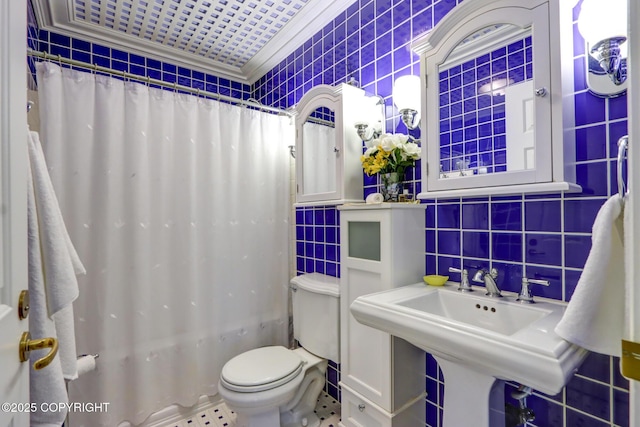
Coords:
pixel 328 149
pixel 496 100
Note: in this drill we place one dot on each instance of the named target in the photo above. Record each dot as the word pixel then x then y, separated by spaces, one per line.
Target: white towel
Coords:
pixel 53 265
pixel 374 198
pixel 595 316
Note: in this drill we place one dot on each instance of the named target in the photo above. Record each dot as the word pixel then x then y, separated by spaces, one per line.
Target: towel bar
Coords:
pixel 623 143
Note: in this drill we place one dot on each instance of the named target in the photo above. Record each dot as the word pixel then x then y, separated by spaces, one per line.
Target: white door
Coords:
pixel 520 110
pixel 633 208
pixel 14 376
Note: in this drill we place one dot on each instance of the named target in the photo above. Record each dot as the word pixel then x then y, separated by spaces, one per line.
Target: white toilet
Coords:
pixel 277 387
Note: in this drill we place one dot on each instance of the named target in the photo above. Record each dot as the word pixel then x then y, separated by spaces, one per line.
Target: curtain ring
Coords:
pixel 94 69
pixel 148 81
pixel 175 87
pixel 60 60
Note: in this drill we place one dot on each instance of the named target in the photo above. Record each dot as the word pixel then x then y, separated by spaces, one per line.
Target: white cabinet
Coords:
pixel 382 377
pixel 328 149
pixel 497 101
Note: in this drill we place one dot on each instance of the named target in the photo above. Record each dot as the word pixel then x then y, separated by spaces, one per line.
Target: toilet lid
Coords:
pixel 261 369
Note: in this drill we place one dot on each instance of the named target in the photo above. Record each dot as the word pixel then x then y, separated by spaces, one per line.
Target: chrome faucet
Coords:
pixel 488 278
pixel 464 279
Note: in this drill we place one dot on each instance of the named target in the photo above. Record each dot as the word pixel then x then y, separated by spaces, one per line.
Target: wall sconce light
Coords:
pixel 369 118
pixel 603 24
pixel 406 96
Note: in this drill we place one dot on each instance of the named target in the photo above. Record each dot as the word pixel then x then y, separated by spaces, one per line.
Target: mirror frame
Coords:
pixel 464 20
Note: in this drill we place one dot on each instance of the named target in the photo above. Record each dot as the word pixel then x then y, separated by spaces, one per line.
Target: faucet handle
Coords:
pixel 464 285
pixel 525 296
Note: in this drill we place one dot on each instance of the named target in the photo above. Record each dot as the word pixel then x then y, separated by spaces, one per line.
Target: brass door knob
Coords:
pixel 27 344
pixel 23 305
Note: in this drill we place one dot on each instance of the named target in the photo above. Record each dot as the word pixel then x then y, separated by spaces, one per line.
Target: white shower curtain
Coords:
pixel 178 207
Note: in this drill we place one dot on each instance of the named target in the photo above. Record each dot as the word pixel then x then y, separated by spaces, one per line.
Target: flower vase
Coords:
pixel 391 184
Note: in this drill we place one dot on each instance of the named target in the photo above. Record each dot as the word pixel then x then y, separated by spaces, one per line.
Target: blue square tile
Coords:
pixel 430 241
pixel 616 131
pixel 120 55
pixel 552 275
pixel 448 242
pixel 309 265
pixel 475 216
pixel 621 408
pixel 475 244
pixel 571 278
pixel 332 269
pixel 309 249
pixel 318 251
pixel 579 215
pixel 308 233
pixel 448 215
pixel 422 21
pixel 331 235
pixel 384 66
pixel 618 107
pixel 592 177
pixel 506 216
pixel 332 252
pixel 82 45
pixel 542 215
pixel 589 397
pixel 576 249
pixel 78 55
pixel 441 8
pixel 597 367
pixel 59 50
pixel 548 413
pixel 59 39
pixel 507 246
pixel 589 109
pixel 402 36
pixel 591 143
pixel 544 249
pixel 309 216
pixel 101 50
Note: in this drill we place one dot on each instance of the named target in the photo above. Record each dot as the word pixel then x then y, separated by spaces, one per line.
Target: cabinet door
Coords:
pixel 366 356
pixel 366 363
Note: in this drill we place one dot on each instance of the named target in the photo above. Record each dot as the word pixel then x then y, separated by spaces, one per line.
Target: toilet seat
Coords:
pixel 261 369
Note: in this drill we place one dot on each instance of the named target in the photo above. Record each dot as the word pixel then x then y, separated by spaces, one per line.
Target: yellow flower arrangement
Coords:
pixel 389 153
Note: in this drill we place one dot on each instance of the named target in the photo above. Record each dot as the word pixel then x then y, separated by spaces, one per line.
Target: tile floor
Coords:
pixel 328 410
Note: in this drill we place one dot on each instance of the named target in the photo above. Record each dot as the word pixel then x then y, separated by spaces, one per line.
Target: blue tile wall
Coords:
pixel 121 60
pixel 472 107
pixel 541 236
pixel 318 240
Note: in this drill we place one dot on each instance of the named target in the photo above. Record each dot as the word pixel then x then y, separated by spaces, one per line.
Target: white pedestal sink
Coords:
pixel 478 342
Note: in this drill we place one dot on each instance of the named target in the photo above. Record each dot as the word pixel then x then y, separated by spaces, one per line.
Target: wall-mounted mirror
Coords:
pixel 486 104
pixel 488 98
pixel 328 148
pixel 320 151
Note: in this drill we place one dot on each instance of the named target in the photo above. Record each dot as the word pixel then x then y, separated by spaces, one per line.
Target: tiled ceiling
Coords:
pixel 239 39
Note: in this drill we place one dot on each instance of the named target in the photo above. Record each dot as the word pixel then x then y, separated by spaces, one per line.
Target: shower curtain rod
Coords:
pixel 149 81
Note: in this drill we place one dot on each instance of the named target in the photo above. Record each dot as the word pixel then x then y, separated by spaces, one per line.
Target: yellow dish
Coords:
pixel 435 280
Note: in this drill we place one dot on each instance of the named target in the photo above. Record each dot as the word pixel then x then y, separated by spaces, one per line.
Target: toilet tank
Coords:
pixel 316 314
